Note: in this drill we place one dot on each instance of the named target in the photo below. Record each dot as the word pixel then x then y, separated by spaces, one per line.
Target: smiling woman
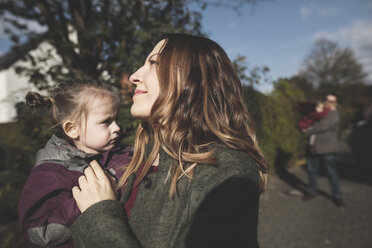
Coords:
pixel 197 170
pixel 146 80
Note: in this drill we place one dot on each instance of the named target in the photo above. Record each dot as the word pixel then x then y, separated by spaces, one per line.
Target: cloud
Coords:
pixel 305 12
pixel 317 11
pixel 357 36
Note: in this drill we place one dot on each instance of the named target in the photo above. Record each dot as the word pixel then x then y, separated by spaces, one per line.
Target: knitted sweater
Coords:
pixel 219 208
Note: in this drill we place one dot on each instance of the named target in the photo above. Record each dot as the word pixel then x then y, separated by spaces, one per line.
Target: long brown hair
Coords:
pixel 200 103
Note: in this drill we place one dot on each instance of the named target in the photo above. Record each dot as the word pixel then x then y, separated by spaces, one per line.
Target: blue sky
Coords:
pixel 280 33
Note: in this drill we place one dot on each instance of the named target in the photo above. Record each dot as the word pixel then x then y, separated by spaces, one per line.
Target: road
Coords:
pixel 286 221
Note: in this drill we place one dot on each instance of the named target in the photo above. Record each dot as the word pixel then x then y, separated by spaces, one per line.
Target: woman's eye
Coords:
pixel 152 62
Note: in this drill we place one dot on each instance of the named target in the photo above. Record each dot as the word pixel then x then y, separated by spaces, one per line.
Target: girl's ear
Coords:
pixel 71 129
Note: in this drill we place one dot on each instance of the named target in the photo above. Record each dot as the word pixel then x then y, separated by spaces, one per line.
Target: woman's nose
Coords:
pixel 135 78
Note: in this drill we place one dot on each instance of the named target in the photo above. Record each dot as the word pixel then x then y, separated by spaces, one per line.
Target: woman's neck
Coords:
pixel 156 162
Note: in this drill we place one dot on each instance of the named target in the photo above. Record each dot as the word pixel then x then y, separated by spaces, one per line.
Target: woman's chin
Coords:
pixel 139 115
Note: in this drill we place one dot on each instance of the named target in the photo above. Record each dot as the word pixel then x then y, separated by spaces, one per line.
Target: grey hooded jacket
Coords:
pixel 46 207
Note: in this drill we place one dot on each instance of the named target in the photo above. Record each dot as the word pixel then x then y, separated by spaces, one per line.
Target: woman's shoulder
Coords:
pixel 233 168
pixel 231 163
pixel 236 161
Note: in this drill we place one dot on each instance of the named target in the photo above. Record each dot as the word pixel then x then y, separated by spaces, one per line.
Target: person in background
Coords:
pixel 197 170
pixel 311 113
pixel 326 145
pixel 85 113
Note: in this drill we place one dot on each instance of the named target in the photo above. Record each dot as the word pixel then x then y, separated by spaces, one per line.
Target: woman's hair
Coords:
pixel 70 99
pixel 200 103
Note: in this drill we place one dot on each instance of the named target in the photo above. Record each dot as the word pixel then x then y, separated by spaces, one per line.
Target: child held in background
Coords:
pixel 85 112
pixel 311 113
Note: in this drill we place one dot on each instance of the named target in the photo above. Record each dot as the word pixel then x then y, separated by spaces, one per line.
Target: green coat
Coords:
pixel 219 208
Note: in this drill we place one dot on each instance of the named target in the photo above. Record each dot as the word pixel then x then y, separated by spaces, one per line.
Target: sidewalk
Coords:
pixel 286 221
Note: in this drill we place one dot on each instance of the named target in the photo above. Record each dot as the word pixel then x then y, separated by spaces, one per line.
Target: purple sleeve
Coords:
pixel 46 206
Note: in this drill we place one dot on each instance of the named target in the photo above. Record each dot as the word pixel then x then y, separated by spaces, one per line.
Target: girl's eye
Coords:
pixel 108 121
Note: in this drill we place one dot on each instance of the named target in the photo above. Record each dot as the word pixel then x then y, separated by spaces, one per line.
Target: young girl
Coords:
pixel 196 130
pixel 85 113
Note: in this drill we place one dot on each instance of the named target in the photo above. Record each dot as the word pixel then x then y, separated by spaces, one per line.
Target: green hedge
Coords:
pixel 276 117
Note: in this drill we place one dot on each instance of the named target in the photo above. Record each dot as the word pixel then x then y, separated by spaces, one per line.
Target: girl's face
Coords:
pixel 146 80
pixel 99 132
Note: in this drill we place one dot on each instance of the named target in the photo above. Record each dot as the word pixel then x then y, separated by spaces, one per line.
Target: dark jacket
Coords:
pixel 219 208
pixel 46 207
pixel 326 131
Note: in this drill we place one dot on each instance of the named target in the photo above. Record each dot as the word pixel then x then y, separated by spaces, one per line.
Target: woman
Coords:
pixel 197 170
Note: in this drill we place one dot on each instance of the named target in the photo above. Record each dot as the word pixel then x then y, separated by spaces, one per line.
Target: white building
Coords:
pixel 12 90
pixel 13 87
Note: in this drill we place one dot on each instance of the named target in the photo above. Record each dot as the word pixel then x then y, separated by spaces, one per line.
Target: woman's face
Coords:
pixel 146 80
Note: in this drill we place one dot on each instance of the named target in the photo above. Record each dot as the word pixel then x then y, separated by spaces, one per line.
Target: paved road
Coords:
pixel 286 221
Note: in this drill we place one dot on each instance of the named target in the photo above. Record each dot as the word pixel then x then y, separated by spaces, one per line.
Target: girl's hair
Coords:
pixel 70 99
pixel 200 103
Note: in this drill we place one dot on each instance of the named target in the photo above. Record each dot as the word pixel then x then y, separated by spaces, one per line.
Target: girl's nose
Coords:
pixel 116 128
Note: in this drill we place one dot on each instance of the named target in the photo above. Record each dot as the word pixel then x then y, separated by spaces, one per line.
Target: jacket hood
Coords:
pixel 59 151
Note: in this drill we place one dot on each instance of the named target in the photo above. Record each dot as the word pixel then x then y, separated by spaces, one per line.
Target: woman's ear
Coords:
pixel 71 129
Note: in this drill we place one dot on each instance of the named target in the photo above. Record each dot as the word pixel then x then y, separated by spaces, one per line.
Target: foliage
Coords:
pixel 97 39
pixel 276 117
pixel 329 65
pixel 126 120
pixel 36 125
pixel 256 74
pixel 287 137
pixel 18 148
pixel 11 183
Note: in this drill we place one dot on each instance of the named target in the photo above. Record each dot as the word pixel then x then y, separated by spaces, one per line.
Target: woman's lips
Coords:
pixel 139 92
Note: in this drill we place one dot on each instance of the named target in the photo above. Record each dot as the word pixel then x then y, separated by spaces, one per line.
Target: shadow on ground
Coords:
pixel 281 162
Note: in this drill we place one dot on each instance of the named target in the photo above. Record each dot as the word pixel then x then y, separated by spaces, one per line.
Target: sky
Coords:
pixel 280 33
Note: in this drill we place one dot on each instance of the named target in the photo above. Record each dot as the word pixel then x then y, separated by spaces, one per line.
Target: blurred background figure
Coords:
pixel 323 150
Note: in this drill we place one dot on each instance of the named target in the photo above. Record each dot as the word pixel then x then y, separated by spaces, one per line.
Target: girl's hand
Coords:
pixel 94 187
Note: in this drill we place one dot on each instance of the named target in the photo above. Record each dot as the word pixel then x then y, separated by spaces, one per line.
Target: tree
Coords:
pixel 331 69
pixel 256 74
pixel 97 39
pixel 329 65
